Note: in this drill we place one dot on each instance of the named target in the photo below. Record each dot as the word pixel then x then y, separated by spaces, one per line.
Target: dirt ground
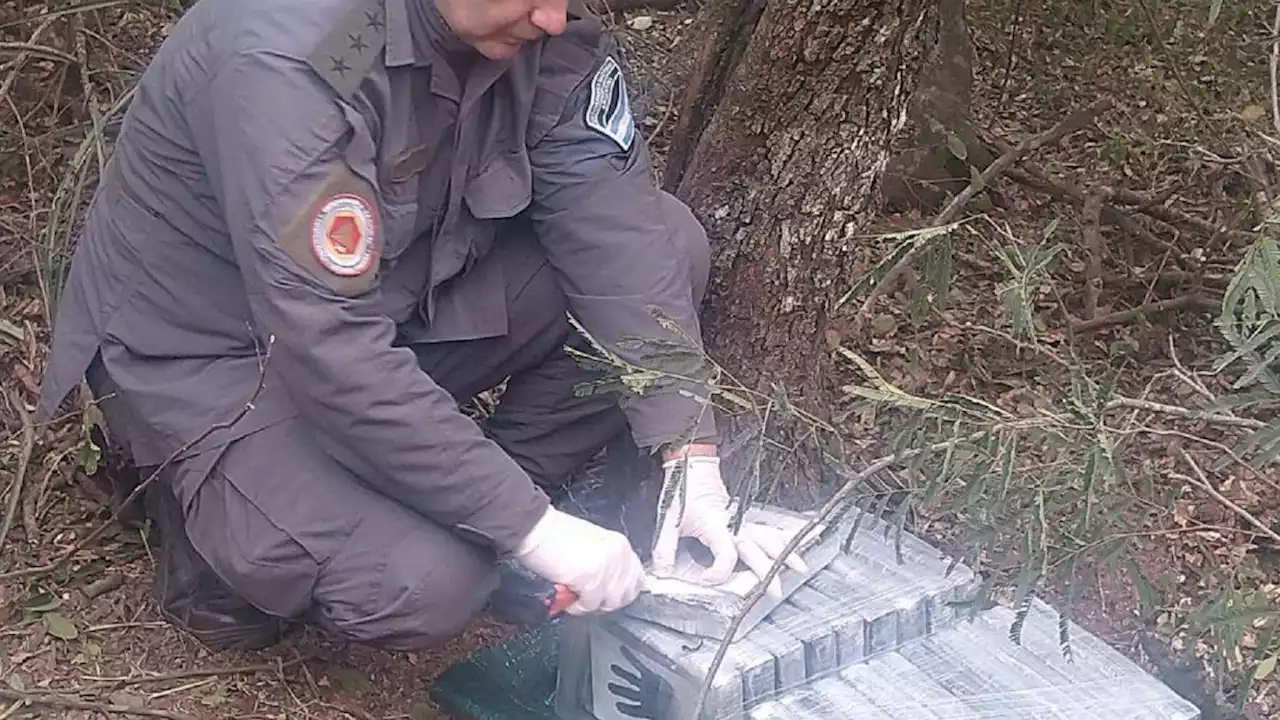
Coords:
pixel 1188 97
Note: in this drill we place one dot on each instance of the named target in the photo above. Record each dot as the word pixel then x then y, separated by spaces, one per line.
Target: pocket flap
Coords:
pixel 503 189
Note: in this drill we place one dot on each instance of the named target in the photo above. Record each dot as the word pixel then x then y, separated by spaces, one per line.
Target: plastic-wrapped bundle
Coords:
pixel 865 637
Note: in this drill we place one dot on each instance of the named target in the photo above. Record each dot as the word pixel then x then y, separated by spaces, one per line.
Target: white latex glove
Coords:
pixel 760 546
pixel 704 515
pixel 598 564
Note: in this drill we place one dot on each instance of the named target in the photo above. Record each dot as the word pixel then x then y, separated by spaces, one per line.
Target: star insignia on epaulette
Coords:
pixel 374 19
pixel 357 42
pixel 340 65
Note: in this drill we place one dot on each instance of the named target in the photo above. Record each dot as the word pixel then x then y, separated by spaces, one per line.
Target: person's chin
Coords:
pixel 499 49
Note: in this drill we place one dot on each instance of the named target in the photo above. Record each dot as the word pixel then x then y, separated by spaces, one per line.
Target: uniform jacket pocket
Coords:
pixel 503 189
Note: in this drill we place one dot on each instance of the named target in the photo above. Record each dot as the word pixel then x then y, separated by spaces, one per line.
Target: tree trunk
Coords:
pixel 786 172
pixel 926 169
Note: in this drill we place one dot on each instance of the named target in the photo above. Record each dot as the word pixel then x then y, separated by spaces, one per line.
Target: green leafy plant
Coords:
pixel 1043 496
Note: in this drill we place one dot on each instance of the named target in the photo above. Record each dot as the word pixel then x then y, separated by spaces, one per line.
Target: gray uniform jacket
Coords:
pixel 301 176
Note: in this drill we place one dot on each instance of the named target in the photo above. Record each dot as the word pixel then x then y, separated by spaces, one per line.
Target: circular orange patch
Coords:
pixel 342 235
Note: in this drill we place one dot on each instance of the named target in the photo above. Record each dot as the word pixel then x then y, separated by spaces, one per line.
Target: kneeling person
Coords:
pixel 323 225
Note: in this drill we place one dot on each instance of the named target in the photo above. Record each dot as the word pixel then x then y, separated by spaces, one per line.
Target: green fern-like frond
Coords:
pixel 910 240
pixel 1027 267
pixel 1253 294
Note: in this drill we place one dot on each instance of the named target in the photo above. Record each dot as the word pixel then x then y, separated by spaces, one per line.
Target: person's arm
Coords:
pixel 599 215
pixel 289 168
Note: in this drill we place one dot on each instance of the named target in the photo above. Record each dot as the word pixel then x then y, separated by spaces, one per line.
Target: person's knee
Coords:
pixel 261 563
pixel 424 592
pixel 692 236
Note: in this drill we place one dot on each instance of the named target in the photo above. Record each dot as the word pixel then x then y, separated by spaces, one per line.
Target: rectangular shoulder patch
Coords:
pixel 345 56
pixel 609 108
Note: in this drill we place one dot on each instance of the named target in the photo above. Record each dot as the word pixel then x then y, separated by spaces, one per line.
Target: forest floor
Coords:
pixel 1188 98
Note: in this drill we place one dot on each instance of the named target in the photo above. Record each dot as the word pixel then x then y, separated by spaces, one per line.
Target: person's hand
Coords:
pixel 760 546
pixel 596 563
pixel 702 512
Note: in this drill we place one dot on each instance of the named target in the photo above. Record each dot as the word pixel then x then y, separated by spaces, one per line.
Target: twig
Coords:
pixel 284 683
pixel 1185 375
pixel 21 59
pixel 86 86
pixel 833 503
pixel 39 50
pixel 1093 245
pixel 1123 316
pixel 43 51
pixel 1275 70
pixel 24 459
pixel 1070 124
pixel 1171 61
pixel 1190 414
pixel 1155 532
pixel 36 494
pixel 1164 213
pixel 1169 277
pixel 142 486
pixel 117 683
pixel 1036 178
pixel 1216 446
pixel 1127 402
pixel 124 626
pixel 1202 481
pixel 181 688
pixel 73 704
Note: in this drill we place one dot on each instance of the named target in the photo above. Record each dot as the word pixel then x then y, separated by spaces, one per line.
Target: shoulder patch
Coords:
pixel 335 235
pixel 349 51
pixel 608 107
pixel 342 234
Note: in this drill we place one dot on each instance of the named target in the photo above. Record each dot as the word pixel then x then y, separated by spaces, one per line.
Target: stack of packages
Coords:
pixel 879 628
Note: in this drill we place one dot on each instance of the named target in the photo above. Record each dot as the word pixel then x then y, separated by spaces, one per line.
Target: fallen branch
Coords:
pixel 1243 465
pixel 41 51
pixel 1093 245
pixel 67 703
pixel 22 57
pixel 1036 180
pixel 31 504
pixel 1121 401
pixel 1202 481
pixel 1169 277
pixel 120 682
pixel 24 459
pixel 1274 67
pixel 70 552
pixel 1188 413
pixel 1070 124
pixel 1035 177
pixel 1123 316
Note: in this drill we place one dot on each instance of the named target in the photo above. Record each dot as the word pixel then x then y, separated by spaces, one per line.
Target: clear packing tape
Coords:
pixel 861 636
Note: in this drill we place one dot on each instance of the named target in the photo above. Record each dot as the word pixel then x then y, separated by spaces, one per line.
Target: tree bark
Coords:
pixel 786 172
pixel 925 169
pixel 726 26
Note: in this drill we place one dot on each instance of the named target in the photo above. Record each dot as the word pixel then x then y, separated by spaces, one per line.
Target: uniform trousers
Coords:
pixel 278 531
